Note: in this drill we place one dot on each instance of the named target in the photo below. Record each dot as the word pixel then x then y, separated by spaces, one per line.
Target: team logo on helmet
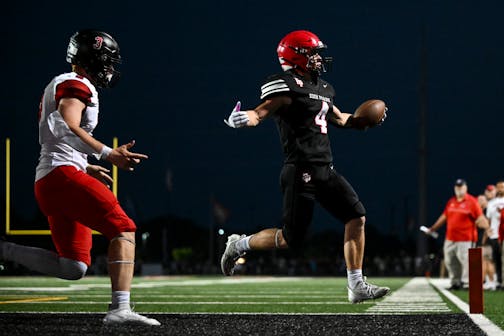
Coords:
pixel 98 43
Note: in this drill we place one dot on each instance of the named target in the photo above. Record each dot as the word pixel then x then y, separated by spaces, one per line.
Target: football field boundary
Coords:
pixel 479 319
pixel 245 324
pixel 416 304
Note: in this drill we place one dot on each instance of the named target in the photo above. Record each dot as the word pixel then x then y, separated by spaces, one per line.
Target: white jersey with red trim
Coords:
pixel 53 129
pixel 493 213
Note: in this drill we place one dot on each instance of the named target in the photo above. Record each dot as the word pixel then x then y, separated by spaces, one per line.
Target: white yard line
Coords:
pixel 169 283
pixel 484 323
pixel 416 296
pixel 234 296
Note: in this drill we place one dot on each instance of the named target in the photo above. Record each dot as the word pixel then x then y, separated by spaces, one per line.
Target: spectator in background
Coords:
pixel 493 213
pixel 501 240
pixel 490 192
pixel 462 214
pixel 488 263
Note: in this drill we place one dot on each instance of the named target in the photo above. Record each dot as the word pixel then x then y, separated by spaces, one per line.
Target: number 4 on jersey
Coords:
pixel 320 118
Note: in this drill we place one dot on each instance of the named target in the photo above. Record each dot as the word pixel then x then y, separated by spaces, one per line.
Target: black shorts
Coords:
pixel 302 185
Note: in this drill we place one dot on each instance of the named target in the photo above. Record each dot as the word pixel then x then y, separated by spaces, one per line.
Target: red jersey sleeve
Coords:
pixel 476 208
pixel 73 89
pixel 445 211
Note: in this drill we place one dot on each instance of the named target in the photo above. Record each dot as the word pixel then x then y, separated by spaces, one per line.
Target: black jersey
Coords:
pixel 302 125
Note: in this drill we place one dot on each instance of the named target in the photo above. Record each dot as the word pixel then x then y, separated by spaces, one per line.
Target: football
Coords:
pixel 371 112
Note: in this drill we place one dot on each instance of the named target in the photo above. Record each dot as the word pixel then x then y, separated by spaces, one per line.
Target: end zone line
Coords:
pixel 479 319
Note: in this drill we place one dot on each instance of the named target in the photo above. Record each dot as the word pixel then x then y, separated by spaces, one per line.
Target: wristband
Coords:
pixel 105 152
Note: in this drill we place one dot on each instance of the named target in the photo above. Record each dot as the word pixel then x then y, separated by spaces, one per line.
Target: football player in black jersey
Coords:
pixel 302 104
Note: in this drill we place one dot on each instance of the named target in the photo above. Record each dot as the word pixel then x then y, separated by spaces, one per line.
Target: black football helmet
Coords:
pixel 96 52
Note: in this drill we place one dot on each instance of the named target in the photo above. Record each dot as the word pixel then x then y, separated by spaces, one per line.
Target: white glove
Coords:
pixel 237 118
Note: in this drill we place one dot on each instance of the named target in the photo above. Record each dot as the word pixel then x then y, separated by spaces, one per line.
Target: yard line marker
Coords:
pixel 416 296
pixel 243 296
pixel 481 321
pixel 165 283
pixel 36 300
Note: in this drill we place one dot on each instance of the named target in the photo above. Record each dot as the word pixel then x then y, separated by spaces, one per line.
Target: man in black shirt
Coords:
pixel 302 105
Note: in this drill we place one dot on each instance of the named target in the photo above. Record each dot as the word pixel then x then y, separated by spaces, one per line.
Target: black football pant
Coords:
pixel 302 185
pixel 496 257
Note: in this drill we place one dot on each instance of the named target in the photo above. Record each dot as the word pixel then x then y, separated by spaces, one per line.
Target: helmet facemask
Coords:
pixel 106 75
pixel 317 63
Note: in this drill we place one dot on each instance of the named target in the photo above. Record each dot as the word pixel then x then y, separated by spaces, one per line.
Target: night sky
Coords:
pixel 187 63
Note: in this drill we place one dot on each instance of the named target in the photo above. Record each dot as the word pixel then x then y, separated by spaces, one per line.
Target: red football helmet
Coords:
pixel 300 50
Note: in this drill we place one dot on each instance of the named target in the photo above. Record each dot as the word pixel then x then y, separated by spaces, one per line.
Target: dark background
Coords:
pixel 187 63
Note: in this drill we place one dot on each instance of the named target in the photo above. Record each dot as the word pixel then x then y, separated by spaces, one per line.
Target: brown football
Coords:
pixel 371 112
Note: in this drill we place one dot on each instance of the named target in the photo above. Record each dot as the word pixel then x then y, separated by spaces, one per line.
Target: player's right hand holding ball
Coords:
pixel 371 113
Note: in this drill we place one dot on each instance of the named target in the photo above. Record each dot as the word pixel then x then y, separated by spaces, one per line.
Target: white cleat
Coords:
pixel 123 315
pixel 366 291
pixel 230 255
pixel 490 286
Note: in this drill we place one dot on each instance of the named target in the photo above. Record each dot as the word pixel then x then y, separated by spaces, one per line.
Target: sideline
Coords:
pixel 416 296
pixel 481 321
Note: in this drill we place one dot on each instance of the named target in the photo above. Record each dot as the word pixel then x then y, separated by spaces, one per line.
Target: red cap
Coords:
pixel 490 187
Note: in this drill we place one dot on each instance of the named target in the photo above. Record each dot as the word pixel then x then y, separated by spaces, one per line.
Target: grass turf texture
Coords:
pixel 260 296
pixel 187 295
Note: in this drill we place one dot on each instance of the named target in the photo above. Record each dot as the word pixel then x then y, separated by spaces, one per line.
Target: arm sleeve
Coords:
pixel 73 89
pixel 445 211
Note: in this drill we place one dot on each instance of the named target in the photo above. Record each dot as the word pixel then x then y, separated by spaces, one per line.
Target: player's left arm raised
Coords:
pixel 251 118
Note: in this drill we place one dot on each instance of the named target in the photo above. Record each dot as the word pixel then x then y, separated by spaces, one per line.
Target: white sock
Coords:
pixel 354 277
pixel 243 244
pixel 120 298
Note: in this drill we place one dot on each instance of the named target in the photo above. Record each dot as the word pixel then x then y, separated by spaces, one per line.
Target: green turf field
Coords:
pixel 194 301
pixel 186 294
pixel 196 294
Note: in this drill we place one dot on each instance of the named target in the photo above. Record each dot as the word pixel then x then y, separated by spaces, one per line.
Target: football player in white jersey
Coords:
pixel 73 194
